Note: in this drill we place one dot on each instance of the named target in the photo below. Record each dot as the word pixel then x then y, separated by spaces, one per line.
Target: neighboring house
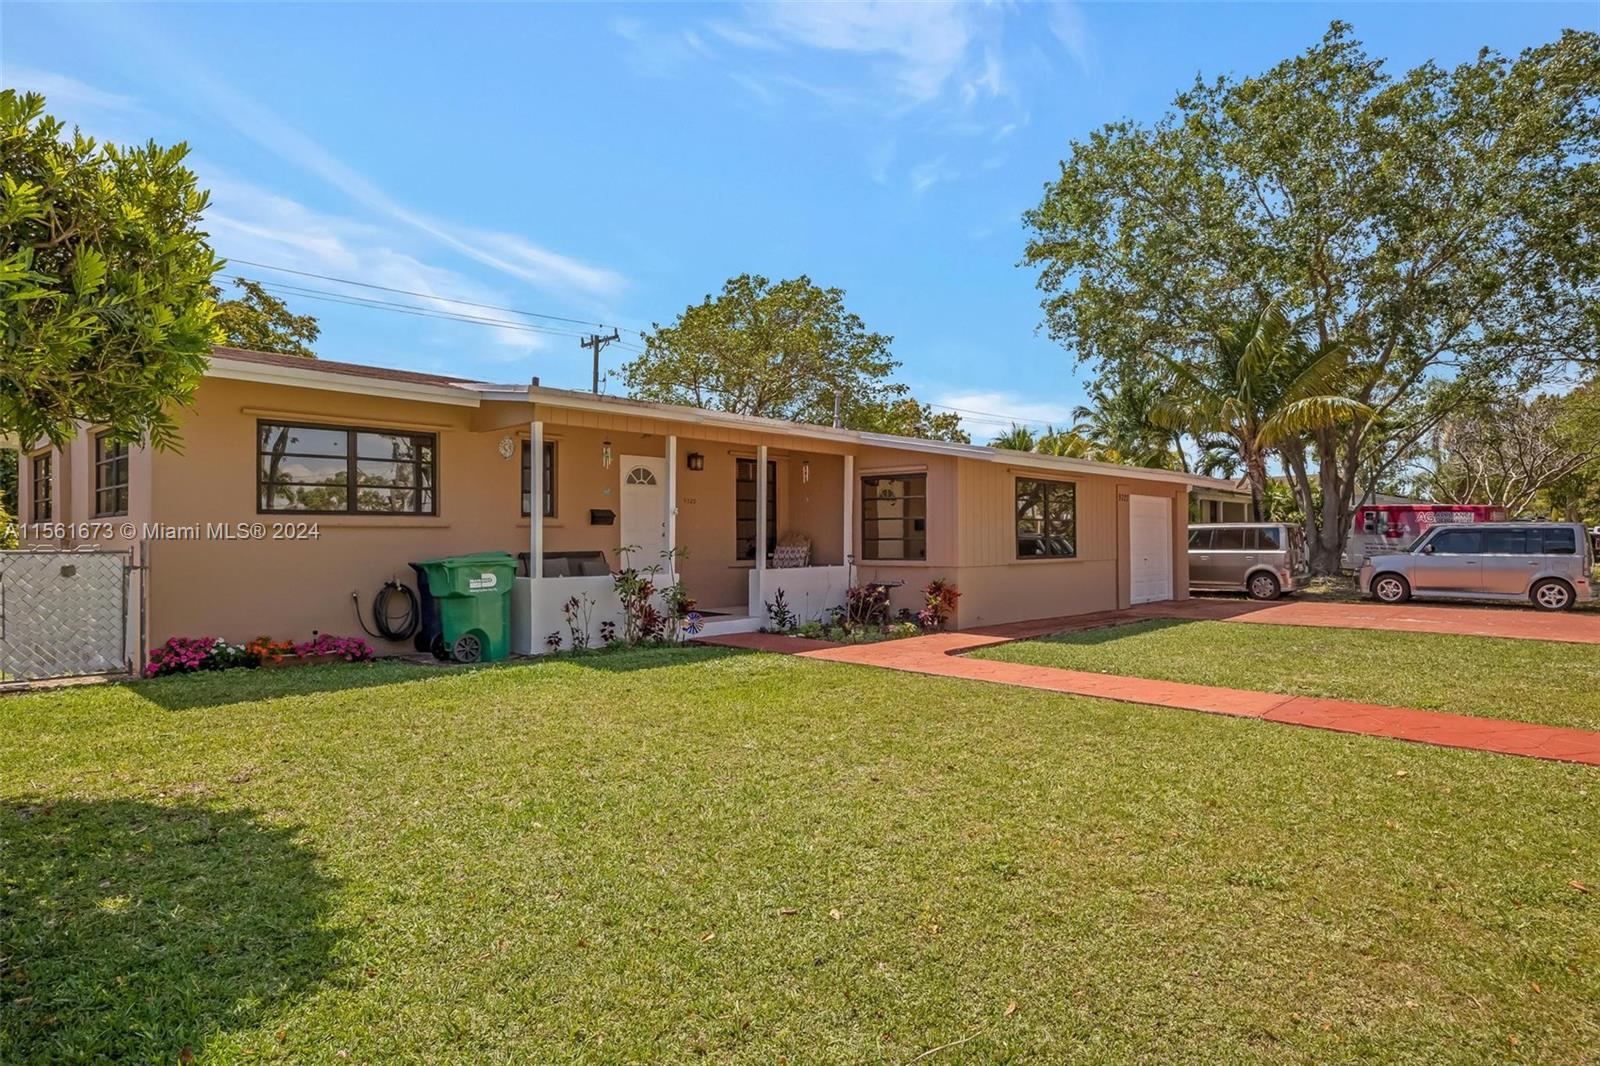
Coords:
pixel 449 466
pixel 1220 501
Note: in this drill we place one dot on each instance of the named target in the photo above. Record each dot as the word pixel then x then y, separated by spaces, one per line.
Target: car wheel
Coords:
pixel 1391 588
pixel 1263 586
pixel 1551 595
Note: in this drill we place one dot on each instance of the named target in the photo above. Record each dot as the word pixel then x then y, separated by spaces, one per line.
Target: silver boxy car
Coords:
pixel 1265 559
pixel 1549 564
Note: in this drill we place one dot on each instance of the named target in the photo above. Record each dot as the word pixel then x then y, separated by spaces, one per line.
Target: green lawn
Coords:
pixel 1525 680
pixel 693 855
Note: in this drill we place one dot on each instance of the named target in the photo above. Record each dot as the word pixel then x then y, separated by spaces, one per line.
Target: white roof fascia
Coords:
pixel 270 374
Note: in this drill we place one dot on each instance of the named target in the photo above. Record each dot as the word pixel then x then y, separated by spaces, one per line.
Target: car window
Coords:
pixel 1457 542
pixel 1199 539
pixel 1560 540
pixel 1228 540
pixel 1506 541
pixel 1271 539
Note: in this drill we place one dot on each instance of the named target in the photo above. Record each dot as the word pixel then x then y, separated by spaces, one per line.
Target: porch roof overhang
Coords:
pixel 569 399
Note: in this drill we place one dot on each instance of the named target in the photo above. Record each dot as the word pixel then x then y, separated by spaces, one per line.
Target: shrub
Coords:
pixel 865 605
pixel 780 614
pixel 941 597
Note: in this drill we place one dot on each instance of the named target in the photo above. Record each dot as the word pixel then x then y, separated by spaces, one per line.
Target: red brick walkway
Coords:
pixel 940 655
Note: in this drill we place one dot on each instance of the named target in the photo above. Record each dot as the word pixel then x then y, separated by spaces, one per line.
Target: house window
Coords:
pixel 894 517
pixel 311 469
pixel 1047 519
pixel 547 478
pixel 110 476
pixel 43 486
pixel 745 503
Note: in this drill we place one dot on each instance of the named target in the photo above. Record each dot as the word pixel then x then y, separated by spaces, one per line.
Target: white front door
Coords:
pixel 1149 548
pixel 644 509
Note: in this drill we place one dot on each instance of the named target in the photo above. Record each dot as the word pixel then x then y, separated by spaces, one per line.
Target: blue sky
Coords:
pixel 615 163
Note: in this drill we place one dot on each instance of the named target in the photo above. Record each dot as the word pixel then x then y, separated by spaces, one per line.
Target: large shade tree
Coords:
pixel 105 281
pixel 787 349
pixel 1259 387
pixel 1435 223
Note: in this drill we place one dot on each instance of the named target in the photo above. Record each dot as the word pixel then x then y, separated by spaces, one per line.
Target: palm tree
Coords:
pixel 1070 443
pixel 1016 439
pixel 1119 422
pixel 1260 386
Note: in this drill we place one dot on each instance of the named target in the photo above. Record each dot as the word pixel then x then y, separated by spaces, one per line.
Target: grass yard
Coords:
pixel 697 855
pixel 1524 680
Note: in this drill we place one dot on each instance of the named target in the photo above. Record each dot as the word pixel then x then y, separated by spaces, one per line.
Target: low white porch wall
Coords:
pixel 536 611
pixel 811 591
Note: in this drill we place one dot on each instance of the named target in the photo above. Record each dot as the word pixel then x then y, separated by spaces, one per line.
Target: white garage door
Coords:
pixel 1149 548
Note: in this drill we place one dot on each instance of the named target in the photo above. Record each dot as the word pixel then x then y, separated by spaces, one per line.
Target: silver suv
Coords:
pixel 1265 559
pixel 1550 564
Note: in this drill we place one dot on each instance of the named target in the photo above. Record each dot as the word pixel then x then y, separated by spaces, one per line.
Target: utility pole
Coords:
pixel 595 341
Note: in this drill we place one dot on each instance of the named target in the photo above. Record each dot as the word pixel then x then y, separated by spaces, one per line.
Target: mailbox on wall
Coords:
pixel 602 517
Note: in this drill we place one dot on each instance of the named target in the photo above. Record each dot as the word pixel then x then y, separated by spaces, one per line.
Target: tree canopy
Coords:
pixel 105 281
pixel 1438 223
pixel 781 350
pixel 261 322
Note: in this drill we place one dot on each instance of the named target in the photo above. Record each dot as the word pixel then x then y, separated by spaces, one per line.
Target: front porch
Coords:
pixel 737 519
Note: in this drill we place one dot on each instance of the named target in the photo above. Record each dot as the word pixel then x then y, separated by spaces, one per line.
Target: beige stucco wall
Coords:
pixel 289 587
pixel 72 503
pixel 972 542
pixel 286 588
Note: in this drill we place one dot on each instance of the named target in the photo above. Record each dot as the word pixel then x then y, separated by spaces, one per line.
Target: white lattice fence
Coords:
pixel 63 614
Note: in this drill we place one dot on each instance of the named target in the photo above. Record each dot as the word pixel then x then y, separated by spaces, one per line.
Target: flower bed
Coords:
pixel 187 655
pixel 864 618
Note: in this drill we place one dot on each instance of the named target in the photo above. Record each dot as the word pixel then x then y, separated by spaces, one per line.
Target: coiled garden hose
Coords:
pixel 389 625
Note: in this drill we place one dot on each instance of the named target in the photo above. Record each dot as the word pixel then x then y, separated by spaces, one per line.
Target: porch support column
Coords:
pixel 761 507
pixel 849 540
pixel 671 517
pixel 536 501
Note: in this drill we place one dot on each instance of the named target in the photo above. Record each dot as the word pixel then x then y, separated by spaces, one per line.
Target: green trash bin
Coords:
pixel 473 597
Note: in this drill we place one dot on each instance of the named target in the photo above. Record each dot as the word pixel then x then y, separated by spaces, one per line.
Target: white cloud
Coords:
pixel 742 37
pixel 923 44
pixel 506 252
pixel 248 222
pixel 925 176
pixel 987 414
pixel 59 89
pixel 510 254
pixel 1072 30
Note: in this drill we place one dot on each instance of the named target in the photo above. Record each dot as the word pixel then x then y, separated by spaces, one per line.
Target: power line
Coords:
pixel 350 299
pixel 426 295
pixel 412 309
pixel 992 417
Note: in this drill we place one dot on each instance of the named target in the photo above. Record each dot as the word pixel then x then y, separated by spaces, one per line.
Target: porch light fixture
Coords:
pixel 605 454
pixel 696 461
pixel 805 471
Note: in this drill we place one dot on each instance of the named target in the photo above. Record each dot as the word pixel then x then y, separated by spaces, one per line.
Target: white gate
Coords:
pixel 65 614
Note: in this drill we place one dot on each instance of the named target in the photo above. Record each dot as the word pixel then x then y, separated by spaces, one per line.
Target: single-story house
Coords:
pixel 1220 501
pixel 253 528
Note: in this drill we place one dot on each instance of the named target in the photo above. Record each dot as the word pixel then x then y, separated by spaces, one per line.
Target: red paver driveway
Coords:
pixel 940 655
pixel 1514 623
